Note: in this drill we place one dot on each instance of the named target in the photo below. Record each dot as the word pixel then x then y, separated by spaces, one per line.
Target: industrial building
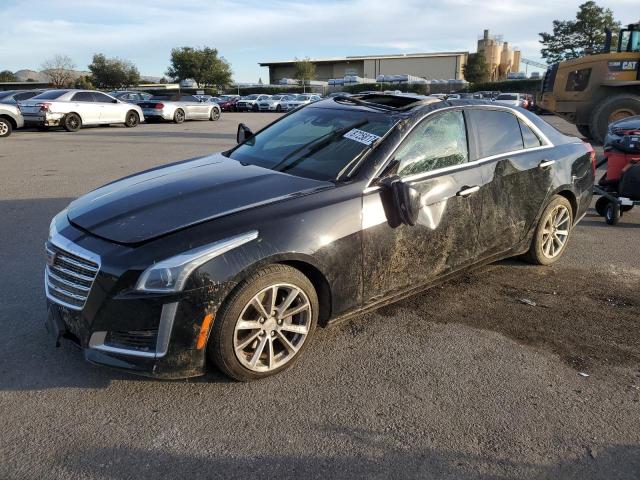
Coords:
pixel 500 57
pixel 447 65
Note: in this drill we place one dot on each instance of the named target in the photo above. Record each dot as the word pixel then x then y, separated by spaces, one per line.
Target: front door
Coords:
pixel 85 105
pixel 110 112
pixel 433 158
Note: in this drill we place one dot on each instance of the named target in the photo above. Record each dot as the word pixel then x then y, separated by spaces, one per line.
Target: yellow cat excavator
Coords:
pixel 595 90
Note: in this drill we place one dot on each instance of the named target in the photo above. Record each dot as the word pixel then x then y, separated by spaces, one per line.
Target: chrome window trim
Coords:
pixel 419 176
pixel 67 245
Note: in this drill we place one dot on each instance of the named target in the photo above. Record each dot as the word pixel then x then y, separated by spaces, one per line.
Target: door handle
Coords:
pixel 466 191
pixel 546 163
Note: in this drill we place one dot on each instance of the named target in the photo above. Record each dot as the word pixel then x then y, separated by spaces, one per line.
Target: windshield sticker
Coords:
pixel 361 136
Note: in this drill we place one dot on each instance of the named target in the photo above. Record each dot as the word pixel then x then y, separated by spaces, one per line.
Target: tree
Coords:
pixel 8 76
pixel 83 82
pixel 305 71
pixel 113 73
pixel 204 66
pixel 163 80
pixel 476 69
pixel 59 69
pixel 583 36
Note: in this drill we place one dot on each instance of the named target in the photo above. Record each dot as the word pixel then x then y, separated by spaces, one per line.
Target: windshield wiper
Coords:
pixel 317 144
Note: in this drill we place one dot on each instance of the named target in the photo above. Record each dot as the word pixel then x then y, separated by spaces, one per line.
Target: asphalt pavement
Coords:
pixel 510 372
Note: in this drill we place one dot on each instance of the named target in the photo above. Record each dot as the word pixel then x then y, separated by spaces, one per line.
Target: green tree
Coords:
pixel 305 71
pixel 583 36
pixel 476 69
pixel 8 76
pixel 204 66
pixel 114 72
pixel 163 80
pixel 83 82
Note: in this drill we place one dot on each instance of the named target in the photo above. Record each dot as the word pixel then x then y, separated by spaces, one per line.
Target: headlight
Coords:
pixel 171 275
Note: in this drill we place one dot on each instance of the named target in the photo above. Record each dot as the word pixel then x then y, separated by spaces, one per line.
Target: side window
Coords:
pixel 83 97
pixel 578 80
pixel 528 136
pixel 435 143
pixel 188 98
pixel 495 131
pixel 101 97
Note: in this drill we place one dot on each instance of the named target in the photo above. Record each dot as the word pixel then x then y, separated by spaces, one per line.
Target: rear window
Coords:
pixel 50 95
pixel 495 132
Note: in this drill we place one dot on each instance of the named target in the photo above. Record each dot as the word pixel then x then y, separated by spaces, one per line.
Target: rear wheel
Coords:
pixel 612 214
pixel 601 206
pixel 72 122
pixel 132 119
pixel 215 114
pixel 265 324
pixel 178 116
pixel 552 233
pixel 5 127
pixel 611 109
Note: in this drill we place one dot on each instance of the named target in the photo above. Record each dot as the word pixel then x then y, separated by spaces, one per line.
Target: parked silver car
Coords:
pixel 73 109
pixel 273 103
pixel 511 99
pixel 131 96
pixel 298 101
pixel 250 102
pixel 178 108
pixel 10 119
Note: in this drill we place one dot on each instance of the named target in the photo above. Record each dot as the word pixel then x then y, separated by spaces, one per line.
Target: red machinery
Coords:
pixel 620 185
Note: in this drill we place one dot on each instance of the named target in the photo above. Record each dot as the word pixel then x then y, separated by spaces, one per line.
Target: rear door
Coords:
pixel 434 159
pixel 84 104
pixel 518 168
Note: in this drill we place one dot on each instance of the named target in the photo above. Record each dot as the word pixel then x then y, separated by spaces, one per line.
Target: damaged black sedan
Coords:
pixel 344 205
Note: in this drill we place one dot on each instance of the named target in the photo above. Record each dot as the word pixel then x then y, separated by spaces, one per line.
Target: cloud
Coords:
pixel 249 31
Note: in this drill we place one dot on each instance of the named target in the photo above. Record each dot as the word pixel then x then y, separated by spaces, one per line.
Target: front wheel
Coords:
pixel 215 114
pixel 132 120
pixel 265 324
pixel 72 122
pixel 5 127
pixel 612 214
pixel 552 233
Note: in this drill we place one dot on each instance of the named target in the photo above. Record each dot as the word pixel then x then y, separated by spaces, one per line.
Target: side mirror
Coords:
pixel 244 133
pixel 404 199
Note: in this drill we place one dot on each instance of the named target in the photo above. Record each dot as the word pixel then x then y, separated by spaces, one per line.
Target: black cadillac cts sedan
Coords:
pixel 344 205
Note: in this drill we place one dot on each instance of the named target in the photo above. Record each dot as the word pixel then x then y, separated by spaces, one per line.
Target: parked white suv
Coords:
pixel 73 109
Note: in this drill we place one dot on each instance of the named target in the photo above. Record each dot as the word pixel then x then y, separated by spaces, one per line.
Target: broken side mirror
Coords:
pixel 244 133
pixel 404 200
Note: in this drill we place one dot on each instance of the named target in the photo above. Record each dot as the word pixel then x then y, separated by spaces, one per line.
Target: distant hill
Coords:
pixel 26 75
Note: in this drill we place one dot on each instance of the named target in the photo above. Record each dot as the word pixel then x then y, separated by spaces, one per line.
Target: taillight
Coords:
pixel 592 154
pixel 44 107
pixel 159 106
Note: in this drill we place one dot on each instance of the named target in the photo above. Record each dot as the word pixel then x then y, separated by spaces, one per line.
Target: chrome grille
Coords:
pixel 69 275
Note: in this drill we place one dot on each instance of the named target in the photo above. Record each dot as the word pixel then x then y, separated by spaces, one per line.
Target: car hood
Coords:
pixel 160 201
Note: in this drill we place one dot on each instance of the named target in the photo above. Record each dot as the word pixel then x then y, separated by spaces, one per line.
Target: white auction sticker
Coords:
pixel 361 136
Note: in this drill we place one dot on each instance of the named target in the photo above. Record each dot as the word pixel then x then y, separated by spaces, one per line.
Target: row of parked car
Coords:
pixel 72 109
pixel 258 102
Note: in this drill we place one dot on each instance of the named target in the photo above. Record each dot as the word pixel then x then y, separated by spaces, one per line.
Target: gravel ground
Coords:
pixel 479 378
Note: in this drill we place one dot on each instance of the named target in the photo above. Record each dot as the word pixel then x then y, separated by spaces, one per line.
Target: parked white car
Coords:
pixel 274 103
pixel 511 99
pixel 10 119
pixel 178 108
pixel 73 109
pixel 299 100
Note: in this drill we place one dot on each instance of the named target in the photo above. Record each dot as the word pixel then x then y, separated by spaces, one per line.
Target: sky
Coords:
pixel 247 32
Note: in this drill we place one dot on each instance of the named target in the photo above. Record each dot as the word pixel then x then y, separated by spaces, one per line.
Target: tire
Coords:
pixel 254 108
pixel 540 252
pixel 601 206
pixel 610 109
pixel 215 115
pixel 178 116
pixel 612 214
pixel 5 128
pixel 132 119
pixel 72 122
pixel 224 339
pixel 584 131
pixel 278 108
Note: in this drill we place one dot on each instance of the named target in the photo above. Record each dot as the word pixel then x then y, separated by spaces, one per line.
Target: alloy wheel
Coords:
pixel 555 231
pixel 272 327
pixel 4 129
